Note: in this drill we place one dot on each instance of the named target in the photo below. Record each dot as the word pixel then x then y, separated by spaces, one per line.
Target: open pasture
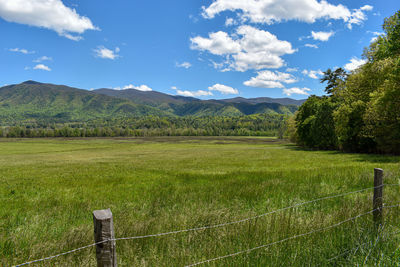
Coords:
pixel 49 188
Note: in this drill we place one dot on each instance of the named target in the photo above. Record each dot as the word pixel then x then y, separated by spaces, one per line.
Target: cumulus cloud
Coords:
pixel 296 91
pixel 226 90
pixel 43 58
pixel 142 87
pixel 49 14
pixel 218 43
pixel 275 11
pixel 270 79
pixel 313 74
pixel 41 67
pixel 322 36
pixel 103 52
pixel 248 48
pixel 185 65
pixel 191 93
pixel 354 64
pixel 311 45
pixel 21 50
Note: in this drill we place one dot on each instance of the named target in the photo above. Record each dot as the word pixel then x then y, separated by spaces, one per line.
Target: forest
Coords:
pixel 361 111
pixel 250 125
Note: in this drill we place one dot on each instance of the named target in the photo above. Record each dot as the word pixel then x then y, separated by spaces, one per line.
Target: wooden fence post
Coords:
pixel 378 196
pixel 104 230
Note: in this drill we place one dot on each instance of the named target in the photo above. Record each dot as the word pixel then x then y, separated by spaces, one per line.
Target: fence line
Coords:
pixel 61 254
pixel 210 226
pixel 349 250
pixel 246 219
pixel 288 238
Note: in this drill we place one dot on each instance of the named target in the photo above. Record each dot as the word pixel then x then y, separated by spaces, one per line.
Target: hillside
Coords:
pixel 32 101
pixel 189 106
pixel 269 100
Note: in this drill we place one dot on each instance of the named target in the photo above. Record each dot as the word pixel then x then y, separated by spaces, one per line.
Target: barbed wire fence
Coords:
pixel 377 188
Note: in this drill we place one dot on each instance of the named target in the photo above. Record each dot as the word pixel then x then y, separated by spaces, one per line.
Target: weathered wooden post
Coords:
pixel 104 230
pixel 378 196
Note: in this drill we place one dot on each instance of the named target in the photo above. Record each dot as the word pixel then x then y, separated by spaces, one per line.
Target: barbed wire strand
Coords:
pixel 355 248
pixel 207 227
pixel 64 253
pixel 288 238
pixel 250 218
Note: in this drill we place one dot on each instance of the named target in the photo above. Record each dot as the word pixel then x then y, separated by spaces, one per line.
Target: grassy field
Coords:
pixel 49 188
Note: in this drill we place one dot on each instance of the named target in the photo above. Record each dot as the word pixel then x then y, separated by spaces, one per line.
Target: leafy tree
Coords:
pixel 315 124
pixel 333 79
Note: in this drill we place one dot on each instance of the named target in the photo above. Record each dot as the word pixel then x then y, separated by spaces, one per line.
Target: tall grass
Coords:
pixel 49 188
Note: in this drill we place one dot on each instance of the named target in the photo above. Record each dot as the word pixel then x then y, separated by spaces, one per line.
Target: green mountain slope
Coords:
pixel 32 100
pixel 152 98
pixel 259 100
pixel 188 106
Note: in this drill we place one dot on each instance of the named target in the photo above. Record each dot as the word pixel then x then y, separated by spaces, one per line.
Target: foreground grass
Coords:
pixel 49 188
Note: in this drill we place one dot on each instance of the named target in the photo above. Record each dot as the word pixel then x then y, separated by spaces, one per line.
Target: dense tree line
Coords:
pixel 251 125
pixel 361 111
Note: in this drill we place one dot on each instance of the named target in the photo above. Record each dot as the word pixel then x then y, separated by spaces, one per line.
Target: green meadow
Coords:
pixel 50 187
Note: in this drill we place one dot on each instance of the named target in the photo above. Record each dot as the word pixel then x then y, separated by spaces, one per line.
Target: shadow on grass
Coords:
pixel 360 157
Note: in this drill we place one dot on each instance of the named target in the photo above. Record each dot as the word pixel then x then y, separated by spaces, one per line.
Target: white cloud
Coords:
pixel 230 22
pixel 373 39
pixel 376 35
pixel 354 64
pixel 322 36
pixel 311 45
pixel 248 48
pixel 41 67
pixel 218 43
pixel 185 65
pixel 142 87
pixel 358 16
pixel 103 52
pixel 21 50
pixel 49 14
pixel 367 8
pixel 273 11
pixel 43 58
pixel 191 93
pixel 313 74
pixel 292 69
pixel 270 79
pixel 226 90
pixel 296 91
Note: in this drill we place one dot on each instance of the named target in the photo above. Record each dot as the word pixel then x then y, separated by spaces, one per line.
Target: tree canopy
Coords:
pixel 362 110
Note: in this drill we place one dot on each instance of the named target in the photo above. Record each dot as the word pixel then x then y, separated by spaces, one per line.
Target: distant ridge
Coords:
pixel 258 100
pixel 43 101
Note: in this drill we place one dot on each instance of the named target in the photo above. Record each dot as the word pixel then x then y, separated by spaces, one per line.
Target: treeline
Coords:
pixel 251 125
pixel 361 112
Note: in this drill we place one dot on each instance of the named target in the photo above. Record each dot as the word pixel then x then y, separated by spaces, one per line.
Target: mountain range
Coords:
pixel 59 103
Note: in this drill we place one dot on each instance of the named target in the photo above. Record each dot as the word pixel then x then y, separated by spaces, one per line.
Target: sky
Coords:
pixel 209 49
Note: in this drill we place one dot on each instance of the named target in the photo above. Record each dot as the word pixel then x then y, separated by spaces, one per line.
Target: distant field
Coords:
pixel 49 188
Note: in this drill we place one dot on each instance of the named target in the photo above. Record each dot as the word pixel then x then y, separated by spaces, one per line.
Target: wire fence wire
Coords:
pixel 209 226
pixel 347 251
pixel 288 238
pixel 64 253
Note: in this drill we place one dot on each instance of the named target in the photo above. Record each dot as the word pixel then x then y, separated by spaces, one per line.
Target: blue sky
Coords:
pixel 207 49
